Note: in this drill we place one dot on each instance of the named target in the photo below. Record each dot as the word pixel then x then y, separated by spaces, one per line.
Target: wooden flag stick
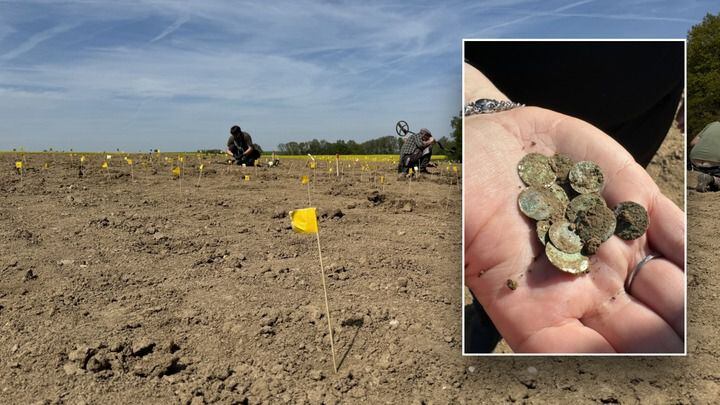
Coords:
pixel 327 307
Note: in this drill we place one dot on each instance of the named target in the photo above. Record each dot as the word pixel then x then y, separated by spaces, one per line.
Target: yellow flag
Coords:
pixel 455 169
pixel 181 159
pixel 410 171
pixel 45 166
pixel 304 220
pixel 176 171
pixel 304 180
pixel 129 161
pixel 247 178
pixel 18 164
pixel 382 179
pixel 82 159
pixel 202 167
pixel 104 165
pixel 312 165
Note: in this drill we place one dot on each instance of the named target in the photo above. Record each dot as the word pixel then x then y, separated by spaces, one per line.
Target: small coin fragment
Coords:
pixel 586 177
pixel 598 223
pixel 539 203
pixel 581 203
pixel 542 228
pixel 561 165
pixel 564 238
pixel 534 170
pixel 632 220
pixel 574 263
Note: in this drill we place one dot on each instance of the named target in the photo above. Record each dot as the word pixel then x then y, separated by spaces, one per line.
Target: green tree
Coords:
pixel 456 134
pixel 703 75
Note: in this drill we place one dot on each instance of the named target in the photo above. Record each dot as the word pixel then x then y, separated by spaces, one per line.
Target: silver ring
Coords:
pixel 637 268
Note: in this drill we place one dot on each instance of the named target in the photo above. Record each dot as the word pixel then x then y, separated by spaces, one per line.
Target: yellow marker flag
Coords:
pixel 129 161
pixel 455 169
pixel 45 166
pixel 312 165
pixel 104 165
pixel 382 179
pixel 18 164
pixel 82 159
pixel 176 171
pixel 181 159
pixel 304 220
pixel 410 171
pixel 304 180
pixel 247 178
pixel 202 167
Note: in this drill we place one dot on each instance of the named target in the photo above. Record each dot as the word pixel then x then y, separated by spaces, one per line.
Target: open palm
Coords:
pixel 553 311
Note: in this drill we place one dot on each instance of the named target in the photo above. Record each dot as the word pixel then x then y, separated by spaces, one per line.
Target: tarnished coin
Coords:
pixel 564 238
pixel 560 194
pixel 561 165
pixel 534 170
pixel 598 223
pixel 539 203
pixel 581 203
pixel 574 263
pixel 542 228
pixel 632 220
pixel 586 177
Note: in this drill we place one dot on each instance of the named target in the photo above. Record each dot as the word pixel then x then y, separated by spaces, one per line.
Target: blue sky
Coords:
pixel 175 75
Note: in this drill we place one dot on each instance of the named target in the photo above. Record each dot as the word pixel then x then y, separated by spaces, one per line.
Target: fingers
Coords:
pixel 631 327
pixel 659 285
pixel 572 337
pixel 666 233
pixel 477 85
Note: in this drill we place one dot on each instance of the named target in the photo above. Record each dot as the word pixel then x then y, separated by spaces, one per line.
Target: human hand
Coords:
pixel 553 311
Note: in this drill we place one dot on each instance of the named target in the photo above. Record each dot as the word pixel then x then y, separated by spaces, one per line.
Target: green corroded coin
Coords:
pixel 542 228
pixel 561 165
pixel 598 223
pixel 539 203
pixel 632 220
pixel 564 238
pixel 582 203
pixel 586 177
pixel 534 170
pixel 574 263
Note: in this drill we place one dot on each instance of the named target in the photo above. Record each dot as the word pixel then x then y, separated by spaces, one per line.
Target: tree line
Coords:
pixel 385 145
pixel 703 76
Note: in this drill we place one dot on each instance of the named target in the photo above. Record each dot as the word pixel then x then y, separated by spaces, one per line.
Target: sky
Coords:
pixel 136 75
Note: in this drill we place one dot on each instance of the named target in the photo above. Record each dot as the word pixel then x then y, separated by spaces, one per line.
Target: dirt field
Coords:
pixel 120 291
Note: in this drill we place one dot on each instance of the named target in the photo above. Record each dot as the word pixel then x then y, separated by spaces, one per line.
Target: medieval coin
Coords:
pixel 542 228
pixel 564 238
pixel 561 165
pixel 583 202
pixel 632 220
pixel 574 263
pixel 559 193
pixel 598 223
pixel 534 170
pixel 586 177
pixel 539 203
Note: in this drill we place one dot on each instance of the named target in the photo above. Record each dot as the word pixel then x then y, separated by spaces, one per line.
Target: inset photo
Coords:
pixel 574 184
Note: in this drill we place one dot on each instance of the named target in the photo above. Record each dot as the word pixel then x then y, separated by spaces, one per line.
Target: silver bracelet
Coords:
pixel 486 106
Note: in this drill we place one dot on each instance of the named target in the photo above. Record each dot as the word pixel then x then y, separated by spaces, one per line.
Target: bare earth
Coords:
pixel 120 291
